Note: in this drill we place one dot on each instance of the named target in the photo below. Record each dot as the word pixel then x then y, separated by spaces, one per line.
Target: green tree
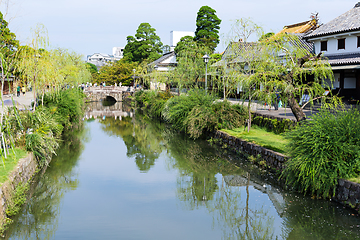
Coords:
pixel 207 27
pixel 120 71
pixel 190 65
pixel 276 67
pixel 8 41
pixel 145 45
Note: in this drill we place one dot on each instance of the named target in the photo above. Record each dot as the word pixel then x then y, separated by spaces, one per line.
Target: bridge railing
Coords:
pixel 109 88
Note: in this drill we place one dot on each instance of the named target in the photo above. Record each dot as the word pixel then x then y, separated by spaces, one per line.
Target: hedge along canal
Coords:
pixel 133 178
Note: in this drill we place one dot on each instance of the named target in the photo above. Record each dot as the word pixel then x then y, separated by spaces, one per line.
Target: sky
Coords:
pixel 96 26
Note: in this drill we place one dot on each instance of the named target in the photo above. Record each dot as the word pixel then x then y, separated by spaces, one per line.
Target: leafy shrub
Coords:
pixel 273 124
pixel 152 102
pixel 229 115
pixel 324 150
pixel 177 109
pixel 67 105
pixel 42 137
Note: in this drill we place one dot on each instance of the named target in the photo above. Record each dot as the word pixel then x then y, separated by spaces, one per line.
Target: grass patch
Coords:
pixel 354 179
pixel 10 163
pixel 260 136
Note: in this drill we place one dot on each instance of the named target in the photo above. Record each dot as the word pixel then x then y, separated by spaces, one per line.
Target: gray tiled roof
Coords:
pixel 300 42
pixel 343 59
pixel 349 21
pixel 163 58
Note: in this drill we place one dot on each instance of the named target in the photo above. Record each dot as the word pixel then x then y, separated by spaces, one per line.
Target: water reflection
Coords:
pixel 241 201
pixel 40 216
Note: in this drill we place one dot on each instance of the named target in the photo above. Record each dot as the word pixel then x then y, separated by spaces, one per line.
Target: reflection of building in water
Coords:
pixel 274 194
pixel 117 110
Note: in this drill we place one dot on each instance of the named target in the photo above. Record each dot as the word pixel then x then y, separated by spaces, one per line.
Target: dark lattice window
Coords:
pixel 341 43
pixel 323 45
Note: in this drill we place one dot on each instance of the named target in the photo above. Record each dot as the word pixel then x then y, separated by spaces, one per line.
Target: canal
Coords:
pixel 124 176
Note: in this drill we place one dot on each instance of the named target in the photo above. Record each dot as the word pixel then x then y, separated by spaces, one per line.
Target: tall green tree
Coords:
pixel 207 27
pixel 120 71
pixel 8 42
pixel 190 65
pixel 144 45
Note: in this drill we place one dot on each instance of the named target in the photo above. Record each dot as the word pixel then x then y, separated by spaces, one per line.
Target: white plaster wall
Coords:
pixel 332 45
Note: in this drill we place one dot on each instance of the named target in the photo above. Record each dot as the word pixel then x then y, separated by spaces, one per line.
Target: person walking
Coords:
pixel 23 90
pixel 18 90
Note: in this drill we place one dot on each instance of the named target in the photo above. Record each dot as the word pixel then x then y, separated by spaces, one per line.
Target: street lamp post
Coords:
pixel 156 67
pixel 206 60
pixel 134 77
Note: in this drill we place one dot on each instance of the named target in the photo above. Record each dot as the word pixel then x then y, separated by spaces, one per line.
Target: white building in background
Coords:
pixel 175 37
pixel 118 52
pixel 100 59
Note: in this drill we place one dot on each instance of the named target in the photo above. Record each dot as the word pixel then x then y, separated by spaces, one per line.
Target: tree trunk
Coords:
pixel 296 109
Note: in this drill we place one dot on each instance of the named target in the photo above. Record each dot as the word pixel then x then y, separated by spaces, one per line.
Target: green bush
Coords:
pixel 43 133
pixel 67 105
pixel 177 109
pixel 151 102
pixel 323 151
pixel 274 125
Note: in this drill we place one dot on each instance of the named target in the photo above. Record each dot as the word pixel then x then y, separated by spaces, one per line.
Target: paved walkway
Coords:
pixel 23 100
pixel 261 108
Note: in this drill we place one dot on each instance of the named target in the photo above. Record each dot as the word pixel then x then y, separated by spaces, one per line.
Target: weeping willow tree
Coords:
pixel 190 65
pixel 48 70
pixel 282 66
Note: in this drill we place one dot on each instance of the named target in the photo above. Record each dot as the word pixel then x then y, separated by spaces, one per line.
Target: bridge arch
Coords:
pixel 95 94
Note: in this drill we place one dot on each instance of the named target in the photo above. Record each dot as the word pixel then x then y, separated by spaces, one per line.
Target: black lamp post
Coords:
pixel 206 60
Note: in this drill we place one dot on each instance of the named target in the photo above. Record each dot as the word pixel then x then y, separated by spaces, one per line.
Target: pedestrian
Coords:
pixel 18 90
pixel 23 90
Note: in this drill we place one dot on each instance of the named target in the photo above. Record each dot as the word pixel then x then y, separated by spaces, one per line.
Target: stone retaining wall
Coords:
pixel 272 159
pixel 347 193
pixel 23 173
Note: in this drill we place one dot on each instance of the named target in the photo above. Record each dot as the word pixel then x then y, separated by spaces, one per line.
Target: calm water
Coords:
pixel 126 177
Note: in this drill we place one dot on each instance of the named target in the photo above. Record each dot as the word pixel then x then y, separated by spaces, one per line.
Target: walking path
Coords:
pixel 264 110
pixel 23 100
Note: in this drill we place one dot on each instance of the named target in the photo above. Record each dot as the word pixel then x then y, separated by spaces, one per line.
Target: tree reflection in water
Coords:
pixel 197 185
pixel 39 217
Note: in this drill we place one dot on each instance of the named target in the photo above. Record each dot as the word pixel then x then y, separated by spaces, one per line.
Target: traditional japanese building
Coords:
pixel 339 42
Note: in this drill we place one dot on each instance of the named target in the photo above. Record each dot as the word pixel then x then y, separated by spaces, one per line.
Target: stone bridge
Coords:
pixel 95 94
pixel 97 110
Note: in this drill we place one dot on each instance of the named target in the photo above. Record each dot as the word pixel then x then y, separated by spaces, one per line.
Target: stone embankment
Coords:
pixel 347 192
pixel 19 177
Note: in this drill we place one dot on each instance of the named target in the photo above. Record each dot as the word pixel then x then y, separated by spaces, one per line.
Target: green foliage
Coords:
pixel 17 200
pixel 8 42
pixel 274 125
pixel 190 65
pixel 10 163
pixel 152 103
pixel 92 68
pixel 207 27
pixel 194 113
pixel 145 45
pixel 42 137
pixel 177 109
pixel 229 115
pixel 120 71
pixel 323 151
pixel 266 36
pixel 66 105
pixel 260 136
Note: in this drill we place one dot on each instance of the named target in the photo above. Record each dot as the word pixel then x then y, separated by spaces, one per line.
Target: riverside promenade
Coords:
pixel 266 110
